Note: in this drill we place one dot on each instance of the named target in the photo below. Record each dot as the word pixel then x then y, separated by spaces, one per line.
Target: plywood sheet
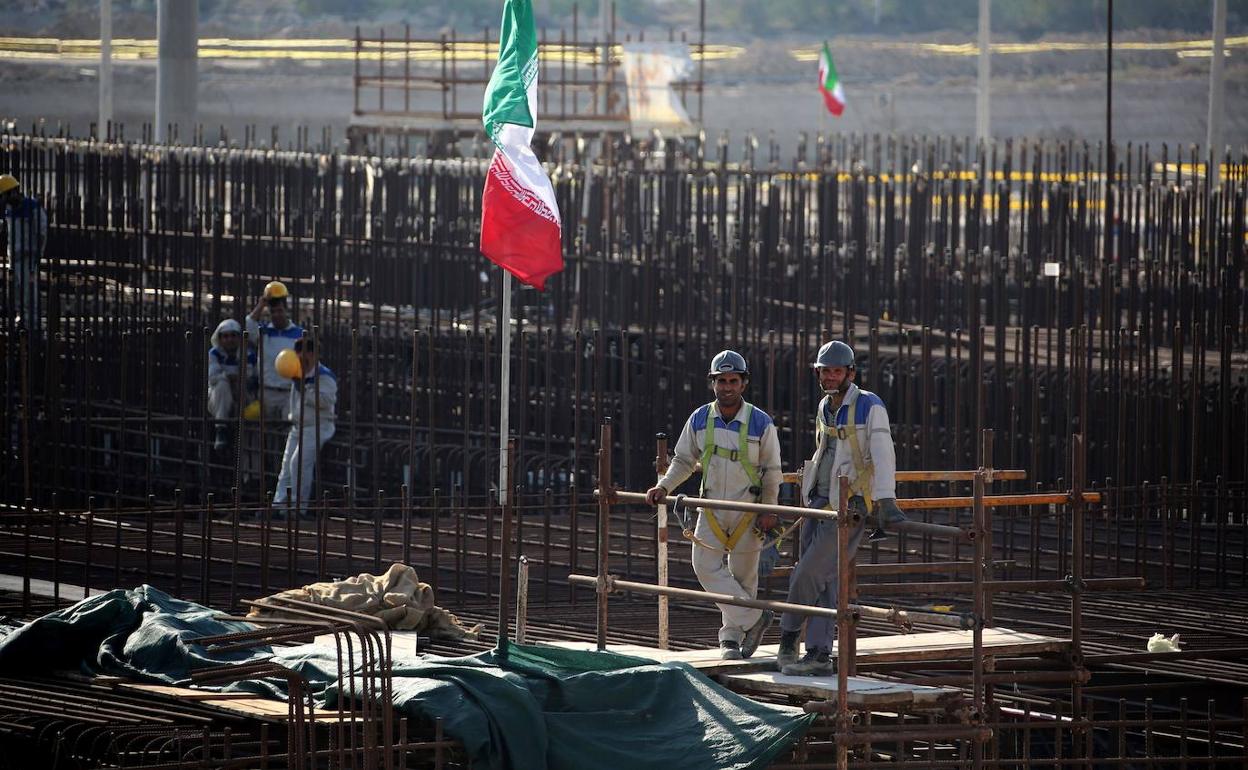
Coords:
pixel 863 691
pixel 937 645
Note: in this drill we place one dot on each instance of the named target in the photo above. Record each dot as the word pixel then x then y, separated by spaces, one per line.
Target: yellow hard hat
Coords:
pixel 276 290
pixel 288 364
pixel 8 182
pixel 252 411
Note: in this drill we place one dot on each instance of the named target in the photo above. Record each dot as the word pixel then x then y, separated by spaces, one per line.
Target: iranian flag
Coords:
pixel 519 216
pixel 829 83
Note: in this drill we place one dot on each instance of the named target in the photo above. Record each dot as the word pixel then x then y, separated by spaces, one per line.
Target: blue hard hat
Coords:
pixel 835 353
pixel 728 362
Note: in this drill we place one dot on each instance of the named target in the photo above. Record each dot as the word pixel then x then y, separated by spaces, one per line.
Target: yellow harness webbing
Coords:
pixel 740 455
pixel 864 472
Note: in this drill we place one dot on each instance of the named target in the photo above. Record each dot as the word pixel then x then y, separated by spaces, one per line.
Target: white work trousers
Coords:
pixel 221 400
pixel 275 404
pixel 298 465
pixel 735 573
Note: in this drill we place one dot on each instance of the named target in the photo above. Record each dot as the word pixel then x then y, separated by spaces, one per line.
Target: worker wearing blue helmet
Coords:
pixel 852 439
pixel 737 446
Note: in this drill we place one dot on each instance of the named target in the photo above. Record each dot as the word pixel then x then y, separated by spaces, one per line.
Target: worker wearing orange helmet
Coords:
pixel 271 338
pixel 27 225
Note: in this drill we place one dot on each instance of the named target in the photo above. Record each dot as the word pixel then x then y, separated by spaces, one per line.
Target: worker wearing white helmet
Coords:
pixel 271 338
pixel 225 367
pixel 737 445
pixel 27 225
pixel 313 395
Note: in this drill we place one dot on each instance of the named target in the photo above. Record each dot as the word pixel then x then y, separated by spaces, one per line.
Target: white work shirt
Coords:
pixel 275 341
pixel 726 479
pixel 874 437
pixel 222 364
pixel 323 382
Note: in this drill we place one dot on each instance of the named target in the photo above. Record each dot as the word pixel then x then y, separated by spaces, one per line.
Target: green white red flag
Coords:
pixel 829 83
pixel 520 227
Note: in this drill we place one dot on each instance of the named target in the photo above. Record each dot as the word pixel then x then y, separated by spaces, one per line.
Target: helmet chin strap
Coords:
pixel 838 394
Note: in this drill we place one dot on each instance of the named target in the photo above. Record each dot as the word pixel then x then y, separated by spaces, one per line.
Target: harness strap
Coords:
pixel 824 427
pixel 739 455
pixel 864 472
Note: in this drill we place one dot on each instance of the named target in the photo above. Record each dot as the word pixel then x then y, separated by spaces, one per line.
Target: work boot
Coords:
pixel 876 535
pixel 787 655
pixel 729 650
pixel 817 662
pixel 754 634
pixel 222 438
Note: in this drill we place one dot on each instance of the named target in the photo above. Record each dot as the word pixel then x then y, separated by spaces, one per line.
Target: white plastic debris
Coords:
pixel 1159 643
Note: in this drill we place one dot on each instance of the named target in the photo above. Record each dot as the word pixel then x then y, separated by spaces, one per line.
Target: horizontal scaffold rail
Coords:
pixel 912 527
pixel 1002 475
pixel 726 505
pixel 903 619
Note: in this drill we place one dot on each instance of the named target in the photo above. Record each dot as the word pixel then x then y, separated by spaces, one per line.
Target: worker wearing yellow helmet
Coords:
pixel 271 338
pixel 313 393
pixel 27 225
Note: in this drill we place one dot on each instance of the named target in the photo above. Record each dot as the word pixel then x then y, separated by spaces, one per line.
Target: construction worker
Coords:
pixel 310 410
pixel 737 445
pixel 852 439
pixel 224 369
pixel 272 337
pixel 28 236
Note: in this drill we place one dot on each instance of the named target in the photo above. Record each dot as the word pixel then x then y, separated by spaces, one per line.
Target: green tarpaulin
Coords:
pixel 535 707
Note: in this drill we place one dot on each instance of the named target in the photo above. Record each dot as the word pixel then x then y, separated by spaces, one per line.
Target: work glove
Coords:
pixel 886 514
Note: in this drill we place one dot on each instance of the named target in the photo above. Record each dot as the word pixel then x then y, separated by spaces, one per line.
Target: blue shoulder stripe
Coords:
pixel 322 369
pixel 759 420
pixel 697 420
pixel 866 400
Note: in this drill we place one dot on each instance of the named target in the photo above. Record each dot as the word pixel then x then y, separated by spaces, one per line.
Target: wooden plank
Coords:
pixel 183 693
pixel 937 645
pixel 233 703
pixel 864 692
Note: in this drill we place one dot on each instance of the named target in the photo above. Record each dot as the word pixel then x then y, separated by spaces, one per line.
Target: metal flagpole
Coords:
pixel 504 392
pixel 106 70
pixel 983 94
pixel 1213 144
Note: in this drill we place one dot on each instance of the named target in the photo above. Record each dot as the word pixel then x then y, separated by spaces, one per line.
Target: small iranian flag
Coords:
pixel 829 83
pixel 519 215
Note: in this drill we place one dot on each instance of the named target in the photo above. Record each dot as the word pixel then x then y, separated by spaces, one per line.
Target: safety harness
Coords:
pixel 864 472
pixel 739 455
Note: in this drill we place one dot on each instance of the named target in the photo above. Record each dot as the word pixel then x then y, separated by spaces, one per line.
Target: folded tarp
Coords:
pixel 533 707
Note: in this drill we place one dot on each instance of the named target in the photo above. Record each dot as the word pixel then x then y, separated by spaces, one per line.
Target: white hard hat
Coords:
pixel 226 326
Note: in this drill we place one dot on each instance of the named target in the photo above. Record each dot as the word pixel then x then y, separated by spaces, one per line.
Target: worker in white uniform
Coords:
pixel 853 439
pixel 225 359
pixel 271 338
pixel 737 445
pixel 310 410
